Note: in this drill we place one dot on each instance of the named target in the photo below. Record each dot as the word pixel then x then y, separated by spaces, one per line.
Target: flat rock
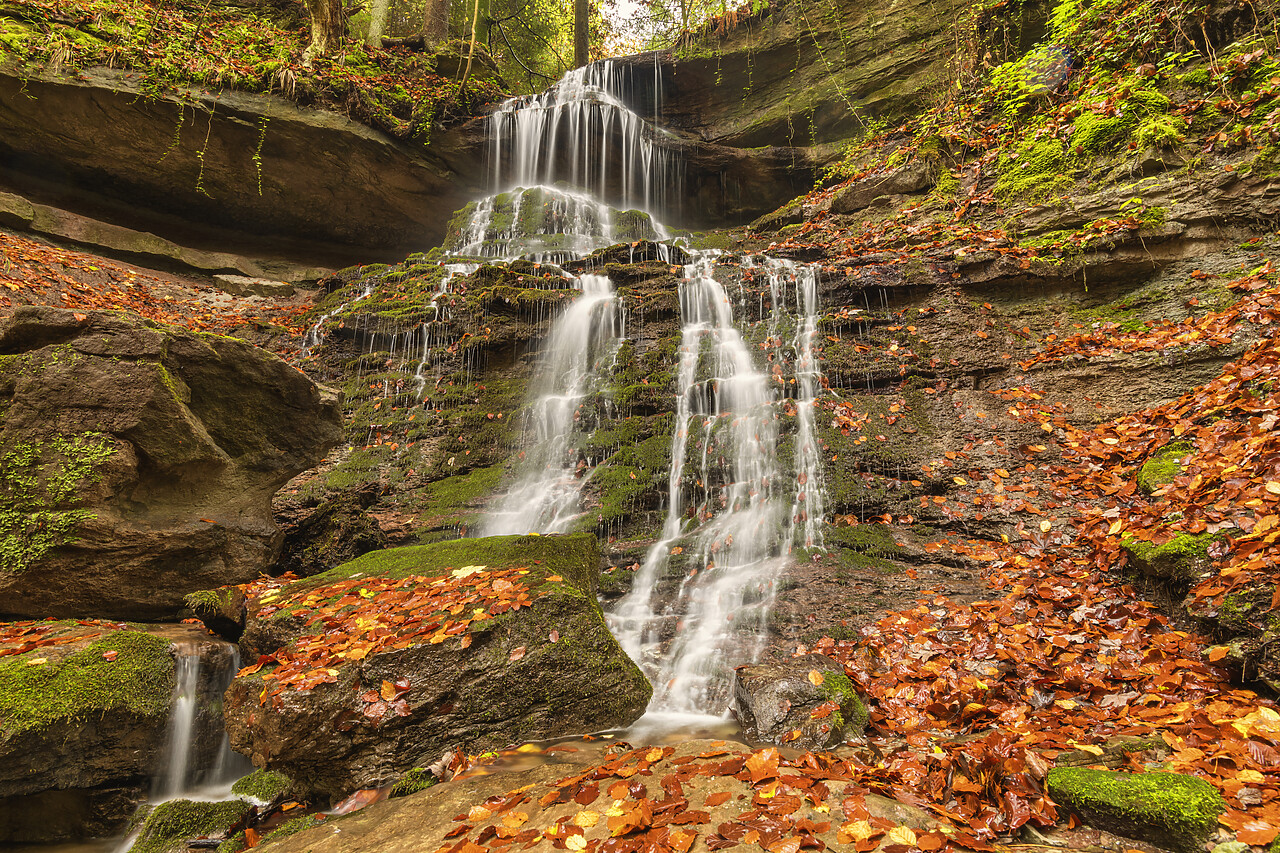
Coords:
pixel 140 461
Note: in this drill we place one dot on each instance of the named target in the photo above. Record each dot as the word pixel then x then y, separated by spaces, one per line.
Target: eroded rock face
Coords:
pixel 474 643
pixel 140 461
pixel 806 702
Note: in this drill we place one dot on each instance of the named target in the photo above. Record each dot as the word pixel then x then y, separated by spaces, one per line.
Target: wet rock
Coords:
pixel 859 195
pixel 140 461
pixel 806 702
pixel 82 725
pixel 546 669
pixel 1171 810
pixel 335 532
pixel 1182 559
pixel 717 792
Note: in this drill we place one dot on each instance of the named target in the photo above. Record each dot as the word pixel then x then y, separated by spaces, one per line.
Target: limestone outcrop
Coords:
pixel 139 461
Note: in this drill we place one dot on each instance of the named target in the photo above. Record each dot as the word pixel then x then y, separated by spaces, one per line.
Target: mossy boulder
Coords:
pixel 139 461
pixel 1170 810
pixel 1183 559
pixel 169 826
pixel 265 786
pixel 806 702
pixel 83 709
pixel 501 674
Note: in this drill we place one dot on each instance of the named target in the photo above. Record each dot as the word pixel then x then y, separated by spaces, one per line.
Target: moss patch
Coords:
pixel 413 781
pixel 1163 466
pixel 85 684
pixel 264 786
pixel 1170 809
pixel 40 484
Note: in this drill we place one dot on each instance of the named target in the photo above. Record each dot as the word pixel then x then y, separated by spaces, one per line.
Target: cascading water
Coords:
pixel 197 760
pixel 580 131
pixel 727 493
pixel 580 350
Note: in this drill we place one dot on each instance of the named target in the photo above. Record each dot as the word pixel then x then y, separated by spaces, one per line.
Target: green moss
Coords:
pixel 1162 131
pixel 1163 466
pixel 208 600
pixel 1183 558
pixel 84 684
pixel 40 486
pixel 171 824
pixel 1034 171
pixel 1168 809
pixel 853 711
pixel 265 786
pixel 413 781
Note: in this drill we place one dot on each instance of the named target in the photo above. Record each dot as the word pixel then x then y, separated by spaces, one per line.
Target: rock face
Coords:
pixel 321 181
pixel 140 461
pixel 82 721
pixel 806 702
pixel 383 664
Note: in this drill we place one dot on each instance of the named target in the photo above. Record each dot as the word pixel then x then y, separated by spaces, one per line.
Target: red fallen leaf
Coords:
pixel 466 641
pixel 718 799
pixel 554 636
pixel 251 838
pixel 111 655
pixel 360 799
pixel 80 318
pixel 517 653
pixel 369 696
pixel 552 578
pixel 763 764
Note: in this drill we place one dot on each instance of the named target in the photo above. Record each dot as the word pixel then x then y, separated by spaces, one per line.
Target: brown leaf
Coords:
pixel 517 653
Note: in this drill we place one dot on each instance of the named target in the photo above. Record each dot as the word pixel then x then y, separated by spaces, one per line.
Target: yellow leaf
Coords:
pixel 959 481
pixel 1273 487
pixel 1045 526
pixel 1250 776
pixel 901 835
pixel 37 661
pixel 1115 527
pixel 575 842
pixel 586 819
pixel 816 678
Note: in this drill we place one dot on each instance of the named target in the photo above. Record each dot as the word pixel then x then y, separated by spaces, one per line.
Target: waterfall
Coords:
pixel 194 733
pixel 580 131
pixel 579 356
pixel 727 493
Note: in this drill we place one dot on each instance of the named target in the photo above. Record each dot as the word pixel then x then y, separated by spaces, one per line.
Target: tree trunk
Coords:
pixel 581 15
pixel 328 27
pixel 435 21
pixel 377 21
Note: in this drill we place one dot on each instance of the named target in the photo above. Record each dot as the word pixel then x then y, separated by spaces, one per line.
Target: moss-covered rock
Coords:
pixel 1170 810
pixel 265 786
pixel 542 667
pixel 169 826
pixel 1182 559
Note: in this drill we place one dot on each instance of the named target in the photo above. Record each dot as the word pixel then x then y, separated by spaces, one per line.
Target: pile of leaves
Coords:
pixel 17 638
pixel 36 273
pixel 175 45
pixel 357 617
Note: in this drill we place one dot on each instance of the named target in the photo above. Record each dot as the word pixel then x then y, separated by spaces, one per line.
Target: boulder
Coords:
pixel 83 710
pixel 140 460
pixel 806 702
pixel 1170 810
pixel 858 195
pixel 385 663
